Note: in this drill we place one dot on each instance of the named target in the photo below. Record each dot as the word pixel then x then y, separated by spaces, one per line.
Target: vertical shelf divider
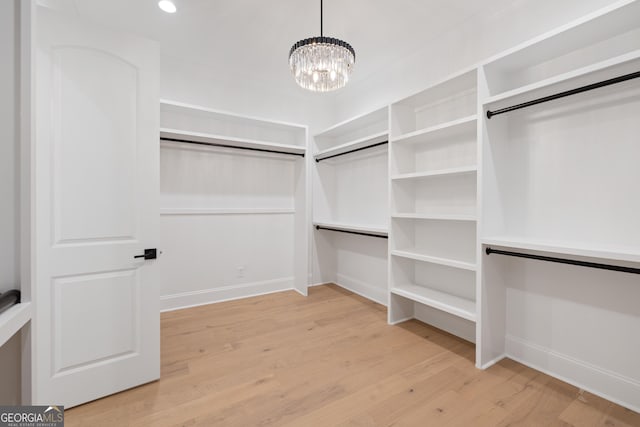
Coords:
pixel 433 233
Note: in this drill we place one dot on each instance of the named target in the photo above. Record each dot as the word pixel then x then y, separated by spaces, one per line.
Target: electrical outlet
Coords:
pixel 240 271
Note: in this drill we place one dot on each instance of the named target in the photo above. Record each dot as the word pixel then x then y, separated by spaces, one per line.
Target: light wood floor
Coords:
pixel 331 360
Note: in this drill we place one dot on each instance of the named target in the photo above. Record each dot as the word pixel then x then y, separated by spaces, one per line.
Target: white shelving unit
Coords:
pixel 433 290
pixel 441 148
pixel 437 195
pixel 438 172
pixel 443 301
pixel 183 117
pixel 229 174
pixel 433 234
pixel 575 49
pixel 413 255
pixel 351 200
pixel 362 127
pixel 445 217
pixel 450 102
pixel 440 131
pixel 557 82
pixel 13 319
pixel 558 181
pixel 446 239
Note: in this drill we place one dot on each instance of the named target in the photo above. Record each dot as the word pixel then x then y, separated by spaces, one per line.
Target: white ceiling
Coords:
pixel 252 38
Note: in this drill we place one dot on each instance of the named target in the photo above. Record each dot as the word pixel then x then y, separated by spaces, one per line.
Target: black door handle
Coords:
pixel 149 254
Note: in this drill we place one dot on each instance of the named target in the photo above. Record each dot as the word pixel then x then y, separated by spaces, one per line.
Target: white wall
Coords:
pixel 10 371
pixel 9 221
pixel 210 254
pixel 8 149
pixel 361 265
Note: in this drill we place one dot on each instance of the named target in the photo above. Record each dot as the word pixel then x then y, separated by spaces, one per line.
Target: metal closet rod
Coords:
pixel 213 144
pixel 353 151
pixel 9 298
pixel 559 95
pixel 610 267
pixel 318 227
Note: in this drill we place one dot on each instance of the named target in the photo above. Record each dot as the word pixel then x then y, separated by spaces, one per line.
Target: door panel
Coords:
pixel 96 328
pixel 108 304
pixel 96 123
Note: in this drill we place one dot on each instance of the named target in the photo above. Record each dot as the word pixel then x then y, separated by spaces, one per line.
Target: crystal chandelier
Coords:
pixel 321 64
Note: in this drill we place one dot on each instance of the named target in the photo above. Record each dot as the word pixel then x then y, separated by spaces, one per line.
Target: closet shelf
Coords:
pixel 167 105
pixel 355 124
pixel 530 89
pixel 13 319
pixel 563 248
pixel 443 301
pixel 224 211
pixel 459 82
pixel 440 217
pixel 605 24
pixel 441 131
pixel 353 227
pixel 230 141
pixel 442 172
pixel 361 143
pixel 434 260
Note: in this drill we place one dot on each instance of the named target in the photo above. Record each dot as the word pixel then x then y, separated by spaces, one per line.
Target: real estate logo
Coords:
pixel 32 416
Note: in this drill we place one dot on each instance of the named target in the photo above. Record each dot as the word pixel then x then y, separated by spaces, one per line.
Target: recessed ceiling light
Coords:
pixel 167 6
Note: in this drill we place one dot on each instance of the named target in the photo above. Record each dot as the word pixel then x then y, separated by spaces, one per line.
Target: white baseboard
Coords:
pixel 363 289
pixel 397 322
pixel 320 284
pixel 492 362
pixel 455 325
pixel 226 293
pixel 304 293
pixel 602 382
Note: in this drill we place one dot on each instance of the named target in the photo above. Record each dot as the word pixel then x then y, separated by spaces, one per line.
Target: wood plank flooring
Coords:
pixel 331 360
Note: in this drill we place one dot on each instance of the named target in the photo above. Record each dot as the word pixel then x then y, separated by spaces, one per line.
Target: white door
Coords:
pixel 96 326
